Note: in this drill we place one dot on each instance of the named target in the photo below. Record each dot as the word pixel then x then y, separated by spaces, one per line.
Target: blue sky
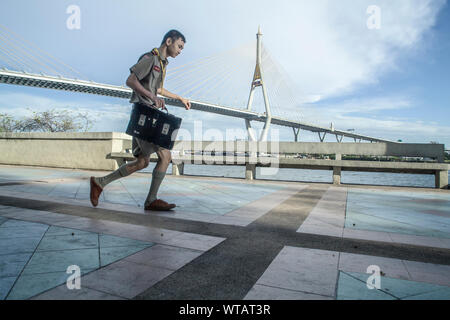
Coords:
pixel 390 82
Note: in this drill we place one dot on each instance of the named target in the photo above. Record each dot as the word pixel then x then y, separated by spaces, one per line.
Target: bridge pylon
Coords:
pixel 258 81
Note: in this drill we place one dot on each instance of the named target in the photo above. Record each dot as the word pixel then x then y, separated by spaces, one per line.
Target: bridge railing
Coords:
pixel 409 158
pixel 433 152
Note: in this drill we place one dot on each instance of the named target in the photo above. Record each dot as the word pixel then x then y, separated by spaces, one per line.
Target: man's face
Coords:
pixel 174 47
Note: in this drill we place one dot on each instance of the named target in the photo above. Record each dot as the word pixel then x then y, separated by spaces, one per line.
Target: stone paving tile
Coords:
pixel 193 215
pixel 442 294
pixel 43 270
pixel 401 279
pixel 258 208
pixel 428 272
pixel 68 189
pixel 322 217
pixel 63 293
pixel 131 231
pixel 205 209
pixel 365 221
pixel 109 255
pixel 445 243
pixel 55 261
pixel 397 288
pixel 38 188
pixel 262 292
pixel 60 231
pixel 163 256
pixel 328 216
pixel 235 221
pixel 6 284
pixel 414 213
pixel 207 217
pixel 28 286
pixel 297 269
pixel 282 276
pixel 393 268
pixel 350 288
pixel 11 246
pixel 25 231
pixel 7 210
pixel 145 233
pixel 194 241
pixel 68 242
pixel 48 217
pixel 32 173
pixel 124 278
pixel 322 229
pixel 23 214
pixel 366 235
pixel 77 223
pixel 235 196
pixel 417 240
pixel 114 241
pixel 12 264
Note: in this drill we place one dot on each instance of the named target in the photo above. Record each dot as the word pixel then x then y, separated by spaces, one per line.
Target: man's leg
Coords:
pixel 159 172
pixel 97 184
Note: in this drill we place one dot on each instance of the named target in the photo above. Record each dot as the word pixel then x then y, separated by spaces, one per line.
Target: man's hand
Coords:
pixel 159 103
pixel 186 102
pixel 137 87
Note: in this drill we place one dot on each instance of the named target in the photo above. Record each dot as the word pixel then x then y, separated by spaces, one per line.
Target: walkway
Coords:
pixel 227 239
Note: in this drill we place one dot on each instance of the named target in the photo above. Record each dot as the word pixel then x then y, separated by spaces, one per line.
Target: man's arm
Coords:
pixel 166 93
pixel 134 84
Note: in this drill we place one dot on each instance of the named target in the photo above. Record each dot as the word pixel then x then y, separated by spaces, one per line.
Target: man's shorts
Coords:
pixel 143 148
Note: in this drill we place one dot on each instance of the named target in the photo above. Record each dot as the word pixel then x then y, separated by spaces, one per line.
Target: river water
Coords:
pixel 305 175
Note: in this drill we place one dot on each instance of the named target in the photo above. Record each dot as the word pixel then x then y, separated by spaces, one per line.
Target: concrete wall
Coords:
pixel 435 151
pixel 80 150
pixel 89 150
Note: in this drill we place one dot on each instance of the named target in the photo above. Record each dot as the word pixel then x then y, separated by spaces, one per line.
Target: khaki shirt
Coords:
pixel 149 72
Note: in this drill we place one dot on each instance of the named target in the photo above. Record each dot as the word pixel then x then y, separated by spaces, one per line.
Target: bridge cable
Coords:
pixel 18 49
pixel 18 59
pixel 50 57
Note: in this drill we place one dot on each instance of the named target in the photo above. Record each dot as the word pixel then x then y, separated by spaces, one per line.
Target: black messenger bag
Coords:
pixel 153 125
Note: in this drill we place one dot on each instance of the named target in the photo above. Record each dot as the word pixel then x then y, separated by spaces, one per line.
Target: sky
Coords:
pixel 383 75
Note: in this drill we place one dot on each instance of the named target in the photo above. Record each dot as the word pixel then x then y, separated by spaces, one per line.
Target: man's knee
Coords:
pixel 165 156
pixel 143 162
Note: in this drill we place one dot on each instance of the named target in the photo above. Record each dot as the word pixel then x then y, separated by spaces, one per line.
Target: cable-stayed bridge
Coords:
pixel 200 81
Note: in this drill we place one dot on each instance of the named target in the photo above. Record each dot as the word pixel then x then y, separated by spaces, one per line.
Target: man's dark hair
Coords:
pixel 174 35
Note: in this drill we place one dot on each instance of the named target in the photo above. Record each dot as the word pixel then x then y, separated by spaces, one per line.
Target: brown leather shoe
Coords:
pixel 96 190
pixel 159 205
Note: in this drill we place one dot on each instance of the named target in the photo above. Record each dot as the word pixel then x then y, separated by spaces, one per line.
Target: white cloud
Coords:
pixel 370 105
pixel 368 117
pixel 336 53
pixel 325 47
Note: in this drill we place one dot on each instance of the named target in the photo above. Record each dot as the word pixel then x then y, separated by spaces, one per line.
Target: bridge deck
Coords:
pixel 58 83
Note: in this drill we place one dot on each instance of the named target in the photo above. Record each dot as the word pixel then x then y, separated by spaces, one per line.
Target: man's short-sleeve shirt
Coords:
pixel 150 74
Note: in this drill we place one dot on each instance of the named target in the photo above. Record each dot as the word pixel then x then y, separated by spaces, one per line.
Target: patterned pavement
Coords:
pixel 227 239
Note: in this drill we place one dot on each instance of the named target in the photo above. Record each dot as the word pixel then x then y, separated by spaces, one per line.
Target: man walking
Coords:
pixel 147 80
